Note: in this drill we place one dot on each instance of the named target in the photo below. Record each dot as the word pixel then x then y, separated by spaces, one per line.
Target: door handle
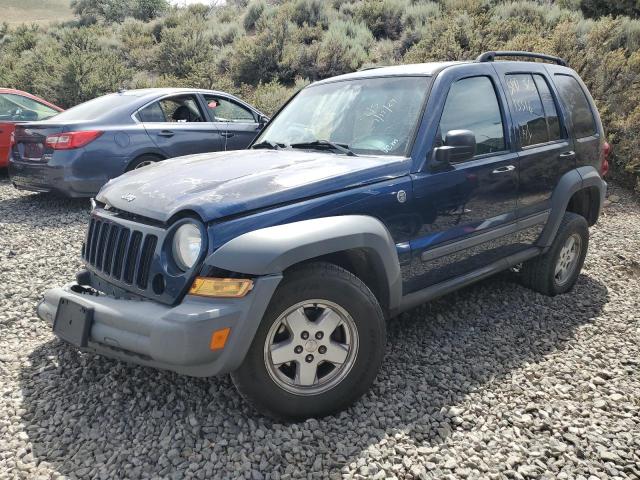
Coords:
pixel 506 168
pixel 166 133
pixel 227 134
pixel 568 154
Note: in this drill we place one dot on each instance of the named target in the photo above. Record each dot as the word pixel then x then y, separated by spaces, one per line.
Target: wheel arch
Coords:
pixel 358 243
pixel 138 156
pixel 580 191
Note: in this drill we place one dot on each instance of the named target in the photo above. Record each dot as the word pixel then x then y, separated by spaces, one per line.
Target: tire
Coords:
pixel 309 386
pixel 541 273
pixel 142 161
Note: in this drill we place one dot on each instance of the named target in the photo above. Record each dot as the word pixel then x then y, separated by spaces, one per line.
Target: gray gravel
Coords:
pixel 491 382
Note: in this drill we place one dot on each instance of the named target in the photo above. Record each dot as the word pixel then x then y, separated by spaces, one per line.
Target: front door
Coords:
pixel 178 126
pixel 237 124
pixel 466 210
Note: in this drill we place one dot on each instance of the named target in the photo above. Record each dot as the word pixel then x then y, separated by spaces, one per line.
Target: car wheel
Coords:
pixel 557 270
pixel 318 348
pixel 142 161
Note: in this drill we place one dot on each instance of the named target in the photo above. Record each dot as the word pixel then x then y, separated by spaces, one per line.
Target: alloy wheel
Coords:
pixel 311 347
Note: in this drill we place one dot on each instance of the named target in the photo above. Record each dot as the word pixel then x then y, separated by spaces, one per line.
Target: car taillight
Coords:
pixel 71 140
pixel 606 152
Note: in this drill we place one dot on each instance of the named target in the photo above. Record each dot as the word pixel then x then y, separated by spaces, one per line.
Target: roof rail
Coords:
pixel 491 56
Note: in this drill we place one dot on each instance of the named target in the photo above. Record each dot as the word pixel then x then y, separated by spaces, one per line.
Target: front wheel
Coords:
pixel 318 348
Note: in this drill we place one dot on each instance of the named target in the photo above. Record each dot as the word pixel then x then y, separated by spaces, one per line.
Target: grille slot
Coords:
pixel 119 252
pixel 148 248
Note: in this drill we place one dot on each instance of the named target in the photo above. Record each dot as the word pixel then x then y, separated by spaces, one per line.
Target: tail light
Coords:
pixel 71 140
pixel 606 153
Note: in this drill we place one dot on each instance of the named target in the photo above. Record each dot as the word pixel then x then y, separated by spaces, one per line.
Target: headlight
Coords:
pixel 187 244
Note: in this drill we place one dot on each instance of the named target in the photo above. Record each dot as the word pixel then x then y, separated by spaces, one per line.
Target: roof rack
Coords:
pixel 491 56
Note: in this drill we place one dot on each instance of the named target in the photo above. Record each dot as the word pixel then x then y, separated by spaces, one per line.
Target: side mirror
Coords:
pixel 262 120
pixel 459 145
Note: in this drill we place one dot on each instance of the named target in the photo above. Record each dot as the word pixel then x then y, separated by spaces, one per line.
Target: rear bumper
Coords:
pixel 171 338
pixel 42 177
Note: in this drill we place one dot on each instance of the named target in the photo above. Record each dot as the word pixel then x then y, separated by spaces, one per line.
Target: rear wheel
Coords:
pixel 318 348
pixel 142 161
pixel 557 270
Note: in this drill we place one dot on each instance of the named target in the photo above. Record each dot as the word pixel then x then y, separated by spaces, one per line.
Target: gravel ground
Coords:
pixel 494 381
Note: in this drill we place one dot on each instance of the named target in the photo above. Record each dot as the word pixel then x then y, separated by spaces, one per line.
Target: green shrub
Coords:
pixel 383 17
pixel 310 12
pixel 254 11
pixel 344 48
pixel 183 47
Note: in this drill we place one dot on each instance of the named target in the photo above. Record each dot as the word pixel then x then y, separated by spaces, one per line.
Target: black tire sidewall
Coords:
pixel 340 287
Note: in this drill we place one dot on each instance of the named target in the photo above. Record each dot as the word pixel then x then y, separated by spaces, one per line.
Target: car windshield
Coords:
pixel 94 108
pixel 376 116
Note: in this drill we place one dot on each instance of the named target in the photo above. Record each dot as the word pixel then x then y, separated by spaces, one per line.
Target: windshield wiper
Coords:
pixel 268 144
pixel 341 147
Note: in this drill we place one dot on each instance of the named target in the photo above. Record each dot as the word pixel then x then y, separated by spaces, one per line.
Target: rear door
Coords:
pixel 178 126
pixel 238 124
pixel 545 149
pixel 581 115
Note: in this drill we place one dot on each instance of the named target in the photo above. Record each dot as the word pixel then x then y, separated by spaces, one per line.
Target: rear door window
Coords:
pixel 576 103
pixel 472 105
pixel 533 109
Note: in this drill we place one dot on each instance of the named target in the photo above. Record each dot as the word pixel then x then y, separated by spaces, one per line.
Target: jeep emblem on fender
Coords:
pixel 401 196
pixel 129 197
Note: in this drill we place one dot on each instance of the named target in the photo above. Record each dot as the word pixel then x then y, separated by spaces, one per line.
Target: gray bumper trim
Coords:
pixel 171 338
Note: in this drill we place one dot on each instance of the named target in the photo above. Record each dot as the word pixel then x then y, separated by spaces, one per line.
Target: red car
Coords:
pixel 16 107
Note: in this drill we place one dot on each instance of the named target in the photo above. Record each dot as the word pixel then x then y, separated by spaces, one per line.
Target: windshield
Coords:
pixel 94 108
pixel 375 116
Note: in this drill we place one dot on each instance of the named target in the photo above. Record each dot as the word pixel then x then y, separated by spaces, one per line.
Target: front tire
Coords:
pixel 318 348
pixel 557 271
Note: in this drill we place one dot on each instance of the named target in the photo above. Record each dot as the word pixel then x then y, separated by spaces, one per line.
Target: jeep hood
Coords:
pixel 216 185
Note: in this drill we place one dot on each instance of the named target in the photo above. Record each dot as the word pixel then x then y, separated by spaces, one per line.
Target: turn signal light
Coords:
pixel 221 287
pixel 219 339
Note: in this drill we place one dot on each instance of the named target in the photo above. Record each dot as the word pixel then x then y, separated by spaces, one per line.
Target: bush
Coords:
pixel 112 11
pixel 254 11
pixel 383 17
pixel 310 12
pixel 184 47
pixel 344 48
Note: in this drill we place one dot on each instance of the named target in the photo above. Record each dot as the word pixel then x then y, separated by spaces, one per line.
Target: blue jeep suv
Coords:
pixel 367 194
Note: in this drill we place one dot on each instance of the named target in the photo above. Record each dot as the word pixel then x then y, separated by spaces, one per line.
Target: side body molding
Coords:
pixel 570 183
pixel 273 249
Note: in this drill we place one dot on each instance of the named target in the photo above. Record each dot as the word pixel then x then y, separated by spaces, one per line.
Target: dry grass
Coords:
pixel 35 11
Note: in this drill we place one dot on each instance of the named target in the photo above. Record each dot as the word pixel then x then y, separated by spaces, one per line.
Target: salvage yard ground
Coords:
pixel 494 381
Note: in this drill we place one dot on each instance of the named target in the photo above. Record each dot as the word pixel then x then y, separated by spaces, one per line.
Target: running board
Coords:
pixel 422 296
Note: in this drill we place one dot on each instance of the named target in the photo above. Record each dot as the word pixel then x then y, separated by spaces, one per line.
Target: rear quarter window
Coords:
pixel 577 105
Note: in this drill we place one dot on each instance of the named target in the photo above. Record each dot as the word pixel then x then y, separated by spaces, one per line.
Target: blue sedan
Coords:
pixel 76 152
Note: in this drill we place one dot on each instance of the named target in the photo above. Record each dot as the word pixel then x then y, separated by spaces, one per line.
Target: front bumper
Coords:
pixel 171 338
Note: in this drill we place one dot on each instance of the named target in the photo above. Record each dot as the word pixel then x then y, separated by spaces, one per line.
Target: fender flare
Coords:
pixel 570 183
pixel 272 250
